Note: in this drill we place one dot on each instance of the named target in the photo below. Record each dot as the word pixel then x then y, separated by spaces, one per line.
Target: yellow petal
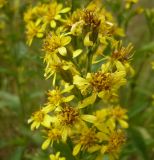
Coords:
pixel 58 17
pixel 57 154
pixel 67 88
pixel 33 126
pixel 87 41
pixel 38 21
pixel 62 51
pixel 30 120
pixel 69 98
pixel 65 67
pixel 65 40
pixel 52 24
pixel 47 121
pixel 54 79
pixel 104 149
pixel 29 41
pixel 102 136
pixel 94 148
pixel 120 66
pixel 76 149
pixel 64 135
pixel 77 53
pixel 101 94
pixel 65 10
pixel 77 28
pixel 88 118
pixel 87 101
pixel 46 144
pixel 123 123
pixel 79 80
pixel 39 35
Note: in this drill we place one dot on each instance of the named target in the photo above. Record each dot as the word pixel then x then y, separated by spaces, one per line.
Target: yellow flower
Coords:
pixel 56 97
pixel 102 84
pixel 77 28
pixel 118 114
pixel 74 23
pixel 87 140
pixel 46 13
pixel 91 17
pixel 29 15
pixel 55 65
pixel 120 58
pixel 53 134
pixel 115 140
pixel 81 19
pixel 34 30
pixel 55 43
pixel 101 119
pixel 56 157
pixel 36 13
pixel 40 118
pixel 53 13
pixel 69 118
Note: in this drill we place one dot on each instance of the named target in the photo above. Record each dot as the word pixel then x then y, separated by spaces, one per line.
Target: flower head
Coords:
pixel 91 18
pixel 115 140
pixel 40 118
pixel 88 140
pixel 34 30
pixel 53 13
pixel 120 58
pixel 54 66
pixel 55 43
pixel 56 97
pixel 68 119
pixel 53 134
pixel 104 84
pixel 119 114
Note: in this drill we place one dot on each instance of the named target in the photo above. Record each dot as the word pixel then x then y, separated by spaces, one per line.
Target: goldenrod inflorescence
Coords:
pixel 88 65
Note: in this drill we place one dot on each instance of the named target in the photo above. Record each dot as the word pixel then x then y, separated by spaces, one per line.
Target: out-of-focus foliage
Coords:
pixel 23 87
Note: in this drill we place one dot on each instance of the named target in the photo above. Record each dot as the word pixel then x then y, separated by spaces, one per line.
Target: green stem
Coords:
pixel 76 65
pixel 89 60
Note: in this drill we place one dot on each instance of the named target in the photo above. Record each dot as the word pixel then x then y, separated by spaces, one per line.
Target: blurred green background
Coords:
pixel 23 87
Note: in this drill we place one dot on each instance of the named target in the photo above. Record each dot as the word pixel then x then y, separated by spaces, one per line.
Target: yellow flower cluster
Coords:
pixel 41 17
pixel 88 66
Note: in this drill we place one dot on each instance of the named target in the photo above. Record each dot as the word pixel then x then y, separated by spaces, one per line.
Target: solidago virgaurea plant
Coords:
pixel 88 64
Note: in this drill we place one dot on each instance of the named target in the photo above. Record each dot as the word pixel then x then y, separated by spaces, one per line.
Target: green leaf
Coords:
pixel 147 47
pixel 17 154
pixel 139 142
pixel 9 100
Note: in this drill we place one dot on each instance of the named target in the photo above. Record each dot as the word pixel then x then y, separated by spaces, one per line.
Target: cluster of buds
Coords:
pixel 88 65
